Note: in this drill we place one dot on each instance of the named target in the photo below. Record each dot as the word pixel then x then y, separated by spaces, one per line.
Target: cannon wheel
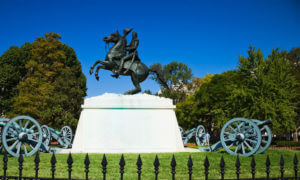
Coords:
pixel 3 120
pixel 266 137
pixel 181 131
pixel 66 135
pixel 240 136
pixel 200 135
pixel 22 134
pixel 46 135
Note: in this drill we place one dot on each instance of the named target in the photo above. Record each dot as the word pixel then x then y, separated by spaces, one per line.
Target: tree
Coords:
pixel 212 99
pixel 259 89
pixel 267 89
pixel 186 111
pixel 12 71
pixel 294 59
pixel 177 75
pixel 54 88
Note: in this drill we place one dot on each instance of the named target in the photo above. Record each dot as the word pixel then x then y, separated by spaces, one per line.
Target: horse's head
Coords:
pixel 113 38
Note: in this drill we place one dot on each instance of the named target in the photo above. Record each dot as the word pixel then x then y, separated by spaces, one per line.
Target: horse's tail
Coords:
pixel 160 76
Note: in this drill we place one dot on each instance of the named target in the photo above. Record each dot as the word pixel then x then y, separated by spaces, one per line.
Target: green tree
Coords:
pixel 212 99
pixel 54 88
pixel 12 71
pixel 259 89
pixel 267 89
pixel 294 59
pixel 187 111
pixel 177 75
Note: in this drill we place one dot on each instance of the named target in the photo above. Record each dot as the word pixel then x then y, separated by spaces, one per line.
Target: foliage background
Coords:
pixel 44 80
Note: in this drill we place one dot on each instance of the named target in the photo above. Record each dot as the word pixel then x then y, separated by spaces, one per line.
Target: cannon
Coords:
pixel 63 137
pixel 21 135
pixel 198 133
pixel 24 135
pixel 243 137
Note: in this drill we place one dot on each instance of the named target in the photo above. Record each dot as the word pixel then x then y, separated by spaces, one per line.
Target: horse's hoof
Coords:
pixel 91 71
pixel 97 78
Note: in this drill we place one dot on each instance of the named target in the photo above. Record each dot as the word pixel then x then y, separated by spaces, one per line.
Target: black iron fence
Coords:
pixel 156 165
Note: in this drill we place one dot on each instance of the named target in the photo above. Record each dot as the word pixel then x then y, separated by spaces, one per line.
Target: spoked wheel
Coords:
pixel 46 135
pixel 200 135
pixel 240 136
pixel 3 122
pixel 266 137
pixel 181 130
pixel 66 135
pixel 22 135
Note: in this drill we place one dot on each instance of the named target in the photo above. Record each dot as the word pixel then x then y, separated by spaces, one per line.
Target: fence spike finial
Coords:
pixel 122 166
pixel 139 164
pixel 206 167
pixel 237 165
pixel 53 162
pixel 173 165
pixel 268 164
pixel 156 166
pixel 222 166
pixel 253 164
pixel 281 166
pixel 5 160
pixel 104 164
pixel 20 160
pixel 87 164
pixel 70 162
pixel 37 162
pixel 190 167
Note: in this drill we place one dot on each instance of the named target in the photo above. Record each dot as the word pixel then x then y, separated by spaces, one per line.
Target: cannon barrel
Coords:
pixel 265 122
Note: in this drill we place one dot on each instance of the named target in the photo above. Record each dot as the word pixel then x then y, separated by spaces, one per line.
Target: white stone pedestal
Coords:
pixel 141 123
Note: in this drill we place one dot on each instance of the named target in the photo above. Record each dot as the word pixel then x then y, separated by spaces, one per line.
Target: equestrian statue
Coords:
pixel 122 59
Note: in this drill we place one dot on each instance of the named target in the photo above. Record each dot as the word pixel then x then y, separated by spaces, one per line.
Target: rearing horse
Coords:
pixel 137 70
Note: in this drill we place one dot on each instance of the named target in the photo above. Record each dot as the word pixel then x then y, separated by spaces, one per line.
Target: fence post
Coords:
pixel 156 167
pixel 5 160
pixel 296 166
pixel 237 165
pixel 139 164
pixel 87 163
pixel 206 166
pixel 268 164
pixel 190 166
pixel 70 162
pixel 253 164
pixel 20 160
pixel 104 164
pixel 53 162
pixel 222 166
pixel 173 165
pixel 282 166
pixel 122 166
pixel 37 162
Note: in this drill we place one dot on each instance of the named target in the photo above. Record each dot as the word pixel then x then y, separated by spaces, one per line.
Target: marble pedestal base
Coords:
pixel 141 123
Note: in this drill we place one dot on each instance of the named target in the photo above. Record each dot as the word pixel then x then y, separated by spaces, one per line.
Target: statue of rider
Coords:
pixel 132 53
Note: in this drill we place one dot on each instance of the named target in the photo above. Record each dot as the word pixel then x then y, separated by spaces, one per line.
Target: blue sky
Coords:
pixel 208 36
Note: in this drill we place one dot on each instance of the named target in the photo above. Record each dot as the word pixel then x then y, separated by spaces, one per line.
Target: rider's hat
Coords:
pixel 127 31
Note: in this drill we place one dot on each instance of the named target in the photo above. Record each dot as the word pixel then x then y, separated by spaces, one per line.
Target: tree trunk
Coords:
pixel 295 134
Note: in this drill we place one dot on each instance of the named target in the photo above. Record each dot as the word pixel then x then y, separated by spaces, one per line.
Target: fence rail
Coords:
pixel 156 165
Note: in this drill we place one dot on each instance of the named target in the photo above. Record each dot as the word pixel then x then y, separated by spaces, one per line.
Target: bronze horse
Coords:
pixel 137 70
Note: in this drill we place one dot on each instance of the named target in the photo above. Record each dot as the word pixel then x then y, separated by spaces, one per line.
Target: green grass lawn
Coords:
pixel 148 169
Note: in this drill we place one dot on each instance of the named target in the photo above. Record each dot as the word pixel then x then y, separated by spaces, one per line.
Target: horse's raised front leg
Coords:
pixel 136 83
pixel 93 66
pixel 97 70
pixel 97 62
